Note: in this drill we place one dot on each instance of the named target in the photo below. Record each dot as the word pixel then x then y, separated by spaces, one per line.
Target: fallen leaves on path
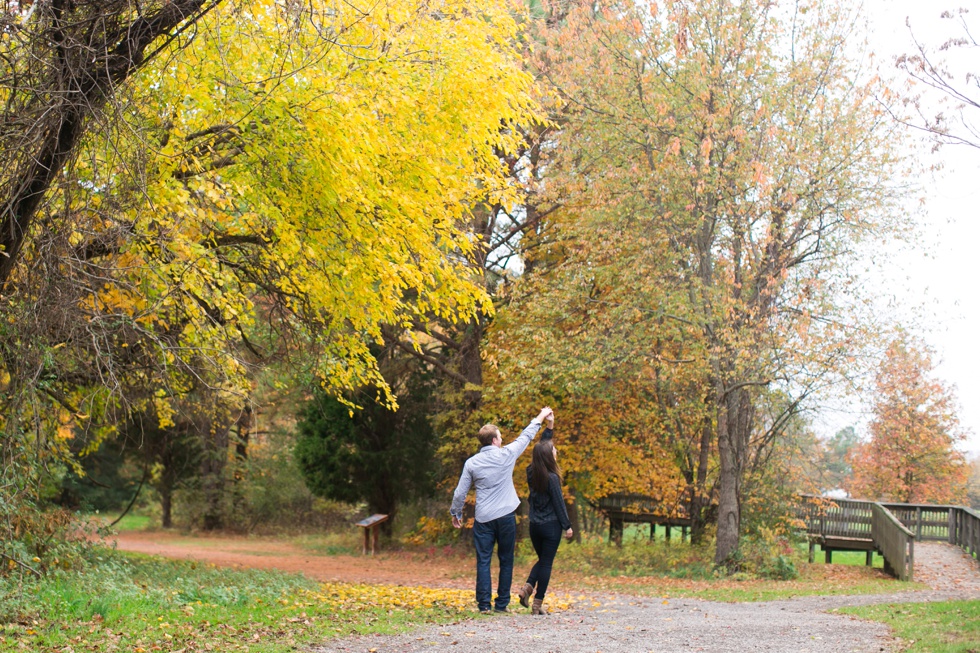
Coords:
pixel 347 596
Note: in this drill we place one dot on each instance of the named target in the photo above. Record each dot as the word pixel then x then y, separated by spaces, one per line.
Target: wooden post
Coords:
pixel 918 523
pixel 813 550
pixel 869 557
pixel 667 533
pixel 828 556
pixel 616 531
pixel 653 531
pixel 683 533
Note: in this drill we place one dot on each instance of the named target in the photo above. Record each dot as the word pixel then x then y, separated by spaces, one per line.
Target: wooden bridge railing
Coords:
pixel 891 528
pixel 928 522
pixel 837 518
pixel 838 524
pixel 895 541
pixel 964 530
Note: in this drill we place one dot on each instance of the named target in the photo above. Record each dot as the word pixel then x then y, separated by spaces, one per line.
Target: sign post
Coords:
pixel 370 524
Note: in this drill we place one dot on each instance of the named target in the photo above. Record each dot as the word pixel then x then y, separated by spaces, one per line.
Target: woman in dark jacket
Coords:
pixel 548 519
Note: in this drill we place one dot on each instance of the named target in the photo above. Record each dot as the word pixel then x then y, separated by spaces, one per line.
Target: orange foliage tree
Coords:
pixel 912 455
pixel 716 166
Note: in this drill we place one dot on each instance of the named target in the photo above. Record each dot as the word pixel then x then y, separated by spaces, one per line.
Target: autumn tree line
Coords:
pixel 341 237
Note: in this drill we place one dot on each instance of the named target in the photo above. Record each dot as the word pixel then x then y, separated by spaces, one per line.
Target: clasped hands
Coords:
pixel 546 417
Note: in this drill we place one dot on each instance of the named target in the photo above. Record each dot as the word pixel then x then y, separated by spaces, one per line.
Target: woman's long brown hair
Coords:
pixel 543 463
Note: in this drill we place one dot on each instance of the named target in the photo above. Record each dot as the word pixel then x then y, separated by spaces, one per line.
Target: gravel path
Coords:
pixel 625 624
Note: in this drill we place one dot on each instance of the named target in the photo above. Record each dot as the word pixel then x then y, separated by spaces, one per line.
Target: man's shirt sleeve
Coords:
pixel 517 447
pixel 462 488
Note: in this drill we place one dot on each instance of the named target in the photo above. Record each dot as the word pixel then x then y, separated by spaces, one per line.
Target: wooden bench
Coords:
pixel 371 524
pixel 640 509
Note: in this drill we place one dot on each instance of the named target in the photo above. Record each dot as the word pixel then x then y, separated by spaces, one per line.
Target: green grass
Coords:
pixel 748 591
pixel 948 627
pixel 682 570
pixel 844 557
pixel 139 603
pixel 331 544
pixel 132 522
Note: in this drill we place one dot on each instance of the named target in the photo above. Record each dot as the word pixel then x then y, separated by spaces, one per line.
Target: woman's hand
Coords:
pixel 550 420
pixel 568 534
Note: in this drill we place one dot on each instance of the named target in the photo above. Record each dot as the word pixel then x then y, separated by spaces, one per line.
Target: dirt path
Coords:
pixel 610 623
pixel 260 553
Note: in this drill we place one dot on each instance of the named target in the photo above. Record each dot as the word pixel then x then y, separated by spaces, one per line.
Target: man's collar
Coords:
pixel 489 446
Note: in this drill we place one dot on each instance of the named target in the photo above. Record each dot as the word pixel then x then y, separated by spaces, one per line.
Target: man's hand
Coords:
pixel 569 534
pixel 550 421
pixel 457 522
pixel 543 415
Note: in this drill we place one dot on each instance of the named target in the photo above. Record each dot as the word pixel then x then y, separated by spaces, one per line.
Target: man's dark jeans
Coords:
pixel 503 532
pixel 545 538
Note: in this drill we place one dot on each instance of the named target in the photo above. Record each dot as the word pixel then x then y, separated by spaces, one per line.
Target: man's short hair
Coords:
pixel 487 434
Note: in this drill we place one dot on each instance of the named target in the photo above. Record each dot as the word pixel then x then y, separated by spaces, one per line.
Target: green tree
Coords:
pixel 372 454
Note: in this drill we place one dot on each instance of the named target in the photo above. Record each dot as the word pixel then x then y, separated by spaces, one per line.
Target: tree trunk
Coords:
pixel 728 506
pixel 239 504
pixel 734 428
pixel 213 466
pixel 166 503
pixel 700 498
pixel 86 68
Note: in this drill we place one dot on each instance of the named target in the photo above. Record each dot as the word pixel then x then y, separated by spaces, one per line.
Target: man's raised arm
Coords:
pixel 518 446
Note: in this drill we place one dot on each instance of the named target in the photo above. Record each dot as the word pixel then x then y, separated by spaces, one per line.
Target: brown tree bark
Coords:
pixel 85 51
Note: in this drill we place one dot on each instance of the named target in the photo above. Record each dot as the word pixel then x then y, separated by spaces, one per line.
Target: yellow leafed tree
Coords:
pixel 285 181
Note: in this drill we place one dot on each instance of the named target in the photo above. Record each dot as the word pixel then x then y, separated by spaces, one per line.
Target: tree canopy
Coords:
pixel 717 166
pixel 277 182
pixel 912 455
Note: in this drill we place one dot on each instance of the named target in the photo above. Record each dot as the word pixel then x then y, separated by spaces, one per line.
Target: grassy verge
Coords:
pixel 948 627
pixel 141 604
pixel 810 583
pixel 680 570
pixel 130 522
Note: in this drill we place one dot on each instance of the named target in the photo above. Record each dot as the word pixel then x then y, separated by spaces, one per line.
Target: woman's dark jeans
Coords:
pixel 503 532
pixel 545 538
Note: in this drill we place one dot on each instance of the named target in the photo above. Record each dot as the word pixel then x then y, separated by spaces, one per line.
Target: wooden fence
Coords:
pixel 895 541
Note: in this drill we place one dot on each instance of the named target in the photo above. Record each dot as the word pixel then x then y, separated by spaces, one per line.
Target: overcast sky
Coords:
pixel 938 281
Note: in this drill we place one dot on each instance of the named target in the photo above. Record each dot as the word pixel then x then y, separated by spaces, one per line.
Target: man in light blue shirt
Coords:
pixel 491 473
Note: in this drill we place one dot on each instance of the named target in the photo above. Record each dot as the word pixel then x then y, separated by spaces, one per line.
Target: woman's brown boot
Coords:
pixel 537 608
pixel 525 594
